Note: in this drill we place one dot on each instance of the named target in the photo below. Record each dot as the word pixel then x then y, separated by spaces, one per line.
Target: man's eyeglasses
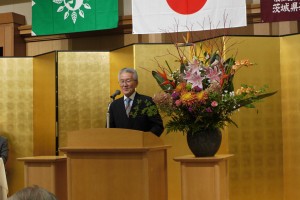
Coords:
pixel 127 81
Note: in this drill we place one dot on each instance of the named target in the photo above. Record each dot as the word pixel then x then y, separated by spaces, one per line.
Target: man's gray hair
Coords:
pixel 33 193
pixel 129 70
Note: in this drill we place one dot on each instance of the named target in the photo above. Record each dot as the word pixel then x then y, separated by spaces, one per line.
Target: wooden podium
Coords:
pixel 116 164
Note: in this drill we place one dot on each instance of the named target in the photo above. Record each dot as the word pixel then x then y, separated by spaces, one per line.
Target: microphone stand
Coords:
pixel 107 114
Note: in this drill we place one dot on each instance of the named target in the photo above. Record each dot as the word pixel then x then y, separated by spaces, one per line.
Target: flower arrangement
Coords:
pixel 200 94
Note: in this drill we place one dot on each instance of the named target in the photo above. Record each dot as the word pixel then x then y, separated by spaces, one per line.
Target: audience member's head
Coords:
pixel 33 193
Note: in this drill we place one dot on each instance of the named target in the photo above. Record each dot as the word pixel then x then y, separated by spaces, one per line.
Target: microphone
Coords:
pixel 117 92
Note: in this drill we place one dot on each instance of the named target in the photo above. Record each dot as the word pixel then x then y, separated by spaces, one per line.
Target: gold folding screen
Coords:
pixel 83 91
pixel 265 145
pixel 258 140
pixel 146 58
pixel 256 168
pixel 290 107
pixel 119 59
pixel 44 104
pixel 85 82
pixel 16 115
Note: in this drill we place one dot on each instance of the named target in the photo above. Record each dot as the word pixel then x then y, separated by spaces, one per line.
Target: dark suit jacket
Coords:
pixel 142 122
pixel 3 149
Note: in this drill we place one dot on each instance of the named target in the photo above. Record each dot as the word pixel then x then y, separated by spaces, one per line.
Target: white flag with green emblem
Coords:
pixel 67 16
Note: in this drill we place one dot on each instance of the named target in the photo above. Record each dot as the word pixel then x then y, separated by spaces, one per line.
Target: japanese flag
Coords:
pixel 165 16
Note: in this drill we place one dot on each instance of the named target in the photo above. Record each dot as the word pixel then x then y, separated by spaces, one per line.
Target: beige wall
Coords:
pixel 110 42
pixel 22 7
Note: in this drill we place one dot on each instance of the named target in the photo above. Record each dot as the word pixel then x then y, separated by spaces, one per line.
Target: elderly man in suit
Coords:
pixel 121 110
pixel 3 149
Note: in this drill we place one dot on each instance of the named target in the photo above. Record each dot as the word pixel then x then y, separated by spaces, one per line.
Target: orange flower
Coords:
pixel 163 75
pixel 180 87
pixel 243 90
pixel 200 96
pixel 244 62
pixel 240 63
pixel 188 98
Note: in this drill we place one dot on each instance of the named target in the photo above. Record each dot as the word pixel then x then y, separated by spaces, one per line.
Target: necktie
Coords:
pixel 127 105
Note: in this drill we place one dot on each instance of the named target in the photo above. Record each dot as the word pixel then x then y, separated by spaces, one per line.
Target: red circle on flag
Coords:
pixel 186 7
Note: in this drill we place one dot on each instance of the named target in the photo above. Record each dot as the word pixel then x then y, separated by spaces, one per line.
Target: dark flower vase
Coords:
pixel 205 143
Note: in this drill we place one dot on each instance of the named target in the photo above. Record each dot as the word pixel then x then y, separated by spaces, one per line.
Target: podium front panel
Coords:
pixel 136 175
